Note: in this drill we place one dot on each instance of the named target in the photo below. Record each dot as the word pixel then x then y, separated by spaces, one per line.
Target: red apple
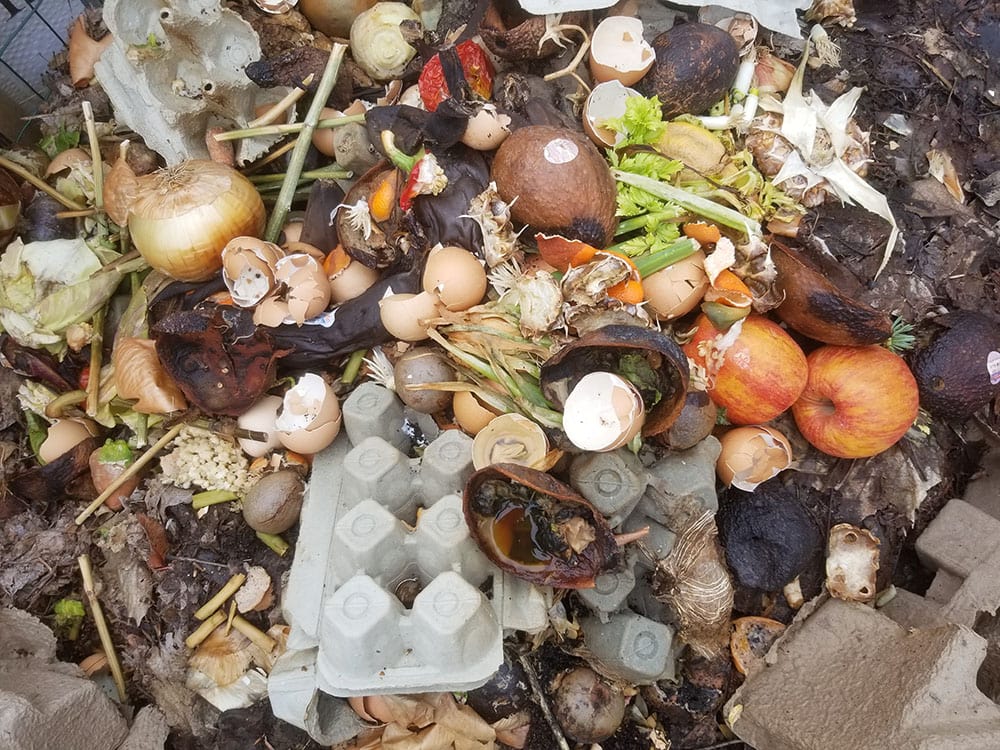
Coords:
pixel 755 369
pixel 858 400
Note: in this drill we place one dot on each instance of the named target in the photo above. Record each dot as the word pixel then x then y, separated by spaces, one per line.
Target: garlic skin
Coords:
pixel 376 42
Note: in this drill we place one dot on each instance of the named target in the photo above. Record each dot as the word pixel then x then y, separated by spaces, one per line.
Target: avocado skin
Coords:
pixel 696 64
pixel 951 371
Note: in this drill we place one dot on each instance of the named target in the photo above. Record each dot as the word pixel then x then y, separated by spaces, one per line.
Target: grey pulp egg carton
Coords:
pixel 375 524
pixel 627 631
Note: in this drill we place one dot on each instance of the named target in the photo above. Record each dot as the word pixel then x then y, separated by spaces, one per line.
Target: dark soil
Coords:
pixel 935 63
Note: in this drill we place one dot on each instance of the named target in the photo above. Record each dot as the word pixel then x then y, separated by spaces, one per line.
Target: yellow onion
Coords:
pixel 182 217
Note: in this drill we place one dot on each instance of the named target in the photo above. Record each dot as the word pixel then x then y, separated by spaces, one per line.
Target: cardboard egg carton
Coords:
pixel 375 523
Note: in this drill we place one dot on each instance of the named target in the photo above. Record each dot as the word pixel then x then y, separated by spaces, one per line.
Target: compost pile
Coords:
pixel 755 272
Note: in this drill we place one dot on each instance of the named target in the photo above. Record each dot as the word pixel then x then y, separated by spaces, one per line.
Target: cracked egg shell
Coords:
pixel 248 269
pixel 308 288
pixel 351 281
pixel 260 418
pixel 64 435
pixel 404 315
pixel 604 411
pixel 486 129
pixel 676 290
pixel 470 413
pixel 310 418
pixel 605 102
pixel 618 51
pixel 752 455
pixel 456 276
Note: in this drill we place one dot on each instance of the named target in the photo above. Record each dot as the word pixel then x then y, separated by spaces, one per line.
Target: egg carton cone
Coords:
pixel 377 526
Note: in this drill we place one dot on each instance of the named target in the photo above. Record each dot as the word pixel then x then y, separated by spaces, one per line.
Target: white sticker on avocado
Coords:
pixel 560 151
pixel 993 367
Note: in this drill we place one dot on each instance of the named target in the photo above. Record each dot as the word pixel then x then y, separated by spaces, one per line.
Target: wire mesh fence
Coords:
pixel 31 32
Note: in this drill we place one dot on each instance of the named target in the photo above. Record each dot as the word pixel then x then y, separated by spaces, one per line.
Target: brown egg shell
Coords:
pixel 567 569
pixel 816 307
pixel 594 351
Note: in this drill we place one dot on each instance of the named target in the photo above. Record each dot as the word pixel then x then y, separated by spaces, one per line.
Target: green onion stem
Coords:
pixel 353 366
pixel 314 174
pixel 650 263
pixel 298 156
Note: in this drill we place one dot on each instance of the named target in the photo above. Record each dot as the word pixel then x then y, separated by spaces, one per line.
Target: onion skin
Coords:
pixel 182 217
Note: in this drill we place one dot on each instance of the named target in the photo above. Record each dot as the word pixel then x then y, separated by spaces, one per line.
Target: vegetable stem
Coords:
pixel 87 573
pixel 97 164
pixel 353 366
pixel 55 408
pixel 261 639
pixel 399 158
pixel 313 174
pixel 646 220
pixel 292 127
pixel 278 545
pixel 703 207
pixel 204 630
pixel 212 497
pixel 665 257
pixel 274 112
pixel 285 197
pixel 210 607
pixel 96 358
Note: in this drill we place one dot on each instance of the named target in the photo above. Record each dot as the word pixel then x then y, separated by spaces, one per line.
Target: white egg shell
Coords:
pixel 260 418
pixel 676 290
pixel 456 276
pixel 605 102
pixel 63 436
pixel 310 417
pixel 618 51
pixel 404 315
pixel 604 411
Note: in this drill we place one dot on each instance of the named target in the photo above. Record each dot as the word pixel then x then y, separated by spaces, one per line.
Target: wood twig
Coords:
pixel 87 573
pixel 130 472
pixel 543 702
